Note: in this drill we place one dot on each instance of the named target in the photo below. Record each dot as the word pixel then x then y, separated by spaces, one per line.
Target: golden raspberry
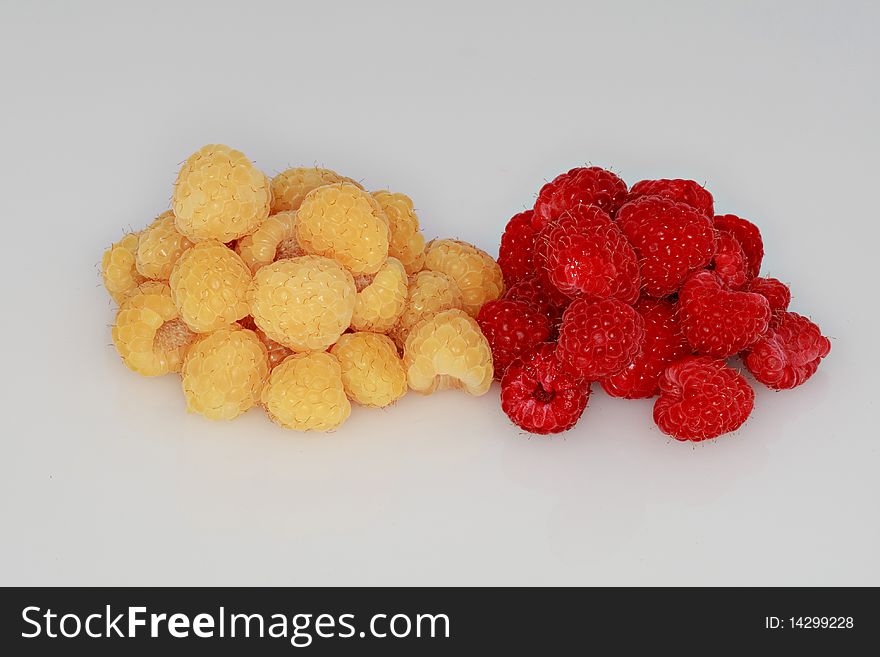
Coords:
pixel 343 222
pixel 430 292
pixel 407 241
pixel 159 247
pixel 290 187
pixel 372 372
pixel 305 393
pixel 209 284
pixel 118 269
pixel 219 195
pixel 448 351
pixel 277 352
pixel 224 373
pixel 304 303
pixel 148 333
pixel 477 275
pixel 381 298
pixel 275 234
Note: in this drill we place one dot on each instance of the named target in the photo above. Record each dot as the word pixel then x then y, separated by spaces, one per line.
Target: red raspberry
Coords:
pixel 586 254
pixel 688 192
pixel 511 327
pixel 539 396
pixel 772 289
pixel 671 239
pixel 582 217
pixel 776 292
pixel 517 246
pixel 701 398
pixel 541 295
pixel 599 338
pixel 718 321
pixel 789 355
pixel 664 343
pixel 749 237
pixel 730 262
pixel 580 186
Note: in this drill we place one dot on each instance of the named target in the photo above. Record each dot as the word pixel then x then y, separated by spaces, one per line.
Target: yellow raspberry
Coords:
pixel 209 283
pixel 407 242
pixel 304 303
pixel 273 240
pixel 372 372
pixel 430 292
pixel 290 187
pixel 224 373
pixel 343 222
pixel 148 333
pixel 219 194
pixel 381 298
pixel 159 247
pixel 475 272
pixel 276 351
pixel 448 351
pixel 118 269
pixel 305 393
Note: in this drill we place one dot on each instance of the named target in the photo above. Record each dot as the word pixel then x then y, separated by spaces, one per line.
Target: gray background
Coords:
pixel 468 108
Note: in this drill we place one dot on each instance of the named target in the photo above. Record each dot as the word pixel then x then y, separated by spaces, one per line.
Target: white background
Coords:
pixel 468 108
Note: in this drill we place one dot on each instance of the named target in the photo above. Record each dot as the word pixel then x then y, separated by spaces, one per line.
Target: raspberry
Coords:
pixel 448 351
pixel 407 242
pixel 224 373
pixel 539 396
pixel 512 328
pixel 305 393
pixel 777 294
pixel 209 284
pixel 372 372
pixel 290 187
pixel 718 321
pixel 580 186
pixel 671 239
pixel 702 398
pixel 273 240
pixel 688 192
pixel 159 247
pixel 473 270
pixel 515 255
pixel 790 354
pixel 730 262
pixel 586 255
pixel 429 293
pixel 381 298
pixel 664 343
pixel 219 195
pixel 599 338
pixel 276 351
pixel 118 270
pixel 749 237
pixel 542 296
pixel 775 291
pixel 343 222
pixel 148 333
pixel 304 303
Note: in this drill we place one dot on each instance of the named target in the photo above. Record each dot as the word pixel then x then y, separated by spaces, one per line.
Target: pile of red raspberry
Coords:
pixel 646 292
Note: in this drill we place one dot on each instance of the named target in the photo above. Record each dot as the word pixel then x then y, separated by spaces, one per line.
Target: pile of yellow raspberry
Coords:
pixel 301 294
